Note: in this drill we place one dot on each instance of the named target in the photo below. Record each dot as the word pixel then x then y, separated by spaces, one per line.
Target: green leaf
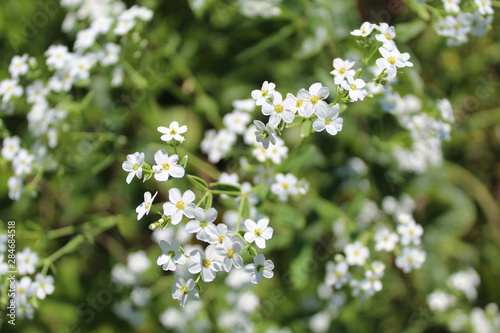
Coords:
pixel 229 188
pixel 306 128
pixel 299 274
pixel 246 208
pixel 420 9
pixel 184 161
pixel 208 201
pixel 198 182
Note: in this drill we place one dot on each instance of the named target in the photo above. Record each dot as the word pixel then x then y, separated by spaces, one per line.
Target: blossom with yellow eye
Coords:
pixel 328 118
pixel 203 225
pixel 180 205
pixel 312 98
pixel 386 36
pixel 258 232
pixel 355 88
pixel 264 133
pixel 133 165
pixel 392 60
pixel 173 132
pixel 207 263
pixel 171 257
pixel 229 250
pixel 342 69
pixel 145 206
pixel 184 290
pixel 167 166
pixel 261 95
pixel 279 109
pixel 365 30
pixel 260 268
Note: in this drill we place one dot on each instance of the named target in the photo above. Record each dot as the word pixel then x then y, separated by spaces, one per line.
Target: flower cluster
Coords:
pixel 260 8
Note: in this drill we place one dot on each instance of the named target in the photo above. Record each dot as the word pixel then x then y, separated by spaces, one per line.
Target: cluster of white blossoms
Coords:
pixel 260 8
pixel 453 309
pixel 102 25
pixel 31 286
pixel 132 309
pixel 457 25
pixel 225 243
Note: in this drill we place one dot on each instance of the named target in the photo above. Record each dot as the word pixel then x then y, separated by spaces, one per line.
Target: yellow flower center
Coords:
pixel 457 25
pixel 391 60
pixel 147 204
pixel 206 263
pixel 230 254
pixel 410 259
pixel 264 93
pixel 299 103
pixel 171 254
pixel 278 108
pixel 314 99
pixel 353 87
pixel 180 205
pixel 184 290
pixel 173 131
pixel 221 238
pixel 165 166
pixel 285 186
pixel 136 167
pixel 328 121
pixel 338 274
pixel 342 70
pixel 386 35
pixel 203 224
pixel 258 232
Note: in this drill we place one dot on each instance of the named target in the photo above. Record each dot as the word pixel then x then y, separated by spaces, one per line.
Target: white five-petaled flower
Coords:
pixel 182 290
pixel 229 250
pixel 260 268
pixel 484 7
pixel 18 65
pixel 221 233
pixel 10 147
pixel 171 256
pixel 391 61
pixel 44 285
pixel 410 259
pixel 355 88
pixel 179 205
pixel 173 132
pixel 261 95
pixel 410 233
pixel 328 117
pixel 258 232
pixel 284 186
pixel 133 165
pixel 365 30
pixel 9 88
pixel 342 69
pixel 26 261
pixel 203 225
pixel 386 36
pixel 23 162
pixel 312 98
pixel 356 254
pixel 207 263
pixel 371 284
pixel 236 121
pixel 167 166
pixel 385 240
pixel 279 109
pixel 336 274
pixel 264 133
pixel 145 206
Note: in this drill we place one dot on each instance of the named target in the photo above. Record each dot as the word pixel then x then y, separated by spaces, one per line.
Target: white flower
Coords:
pixel 57 56
pixel 385 240
pixel 261 96
pixel 258 232
pixel 336 274
pixel 312 98
pixel 171 256
pixel 342 69
pixel 440 301
pixel 221 232
pixel 167 166
pixel 138 262
pixel 391 61
pixel 247 105
pixel 85 39
pixel 247 302
pixel 80 66
pixel 465 281
pixel 206 263
pixel 444 106
pixel 410 259
pixel 365 30
pixel 10 147
pixel 371 284
pixel 179 205
pixel 230 250
pixel 277 152
pixel 264 175
pixel 279 109
pixel 236 121
pixel 25 289
pixel 386 36
pixel 133 165
pixel 182 290
pixel 173 132
pixel 356 254
pixel 18 66
pixel 109 55
pixel 264 133
pixel 452 6
pixel 15 185
pixel 284 186
pixel 355 88
pixel 102 25
pixel 9 88
pixel 410 233
pixel 117 76
pixel 36 92
pixel 26 261
pixel 145 206
pixel 44 285
pixel 203 224
pixel 484 7
pixel 260 268
pixel 140 296
pixel 328 117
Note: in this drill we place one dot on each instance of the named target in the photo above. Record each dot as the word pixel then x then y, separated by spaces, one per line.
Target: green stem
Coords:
pixel 240 212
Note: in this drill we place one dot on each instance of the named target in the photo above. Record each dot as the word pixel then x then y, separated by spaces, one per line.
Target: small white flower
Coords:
pixel 371 284
pixel 171 256
pixel 356 254
pixel 410 259
pixel 440 301
pixel 206 263
pixel 336 274
pixel 145 206
pixel 85 39
pixel 444 106
pixel 365 30
pixel 264 175
pixel 386 36
pixel 342 69
pixel 26 261
pixel 258 232
pixel 167 166
pixel 452 6
pixel 173 132
pixel 110 54
pixel 260 268
pixel 391 61
pixel 9 88
pixel 284 186
pixel 203 225
pixel 410 233
pixel 236 121
pixel 355 88
pixel 25 289
pixel 10 147
pixel 247 105
pixel 313 98
pixel 328 118
pixel 15 185
pixel 261 96
pixel 23 162
pixel 36 92
pixel 279 109
pixel 133 165
pixel 18 66
pixel 138 262
pixel 230 250
pixel 44 285
pixel 179 205
pixel 484 7
pixel 221 232
pixel 57 56
pixel 264 133
pixel 385 240
pixel 182 290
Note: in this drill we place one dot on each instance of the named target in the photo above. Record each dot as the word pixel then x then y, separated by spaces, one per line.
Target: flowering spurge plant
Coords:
pixel 455 19
pixel 31 286
pixel 44 94
pixel 226 244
